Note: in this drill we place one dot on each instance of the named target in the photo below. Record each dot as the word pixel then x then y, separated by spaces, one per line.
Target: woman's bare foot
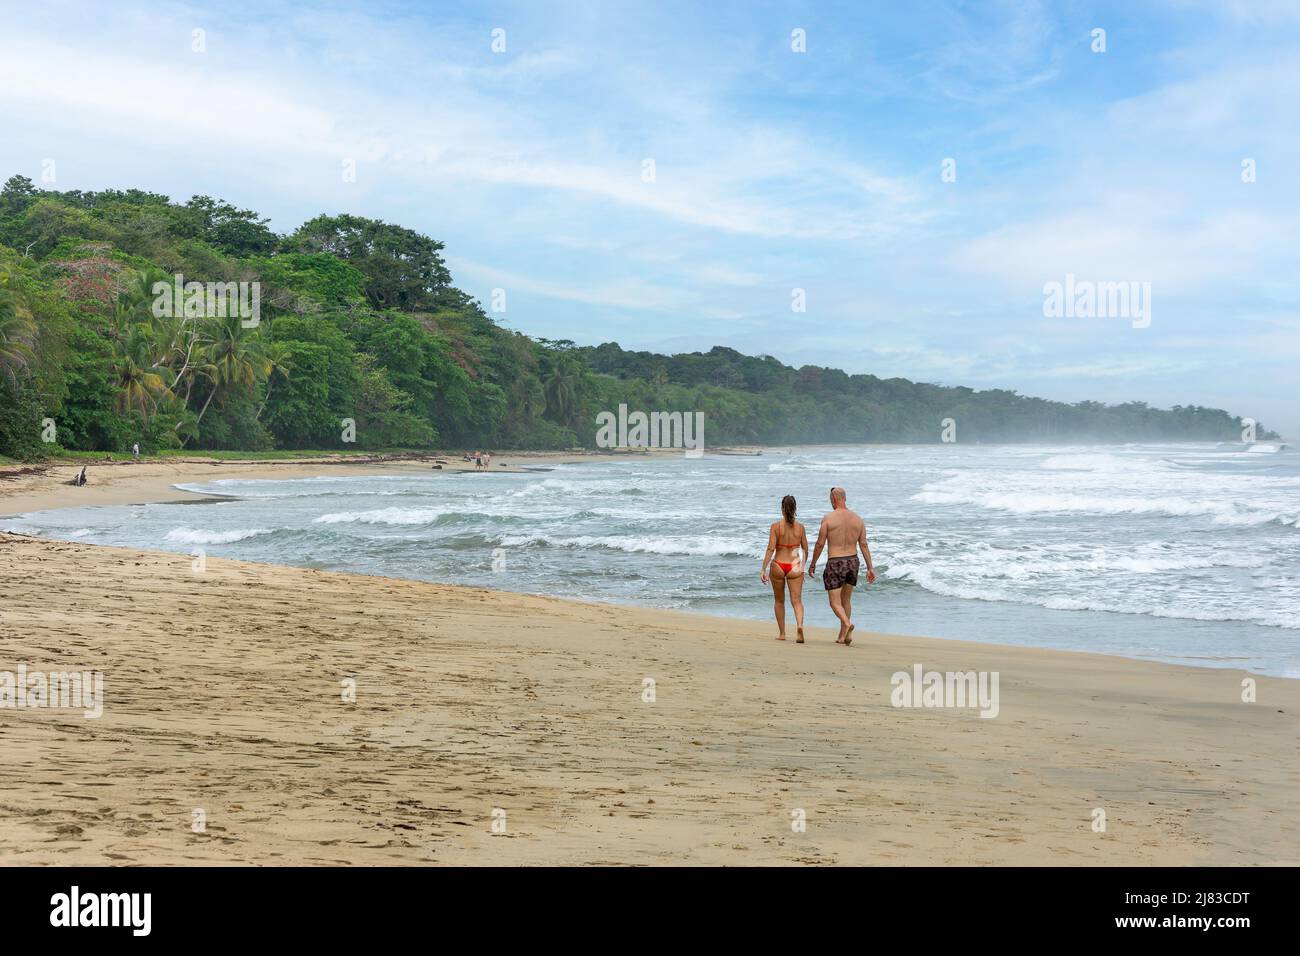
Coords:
pixel 799 639
pixel 780 637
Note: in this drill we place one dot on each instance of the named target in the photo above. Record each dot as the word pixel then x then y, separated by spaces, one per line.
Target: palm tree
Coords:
pixel 279 365
pixel 139 386
pixel 234 358
pixel 561 390
pixel 179 338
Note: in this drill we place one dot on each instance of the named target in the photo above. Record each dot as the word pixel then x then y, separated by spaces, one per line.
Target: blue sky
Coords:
pixel 774 170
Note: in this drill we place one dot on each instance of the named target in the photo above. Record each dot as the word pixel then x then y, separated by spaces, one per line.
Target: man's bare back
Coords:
pixel 843 529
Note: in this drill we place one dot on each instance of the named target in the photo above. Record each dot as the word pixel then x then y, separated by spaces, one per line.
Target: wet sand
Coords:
pixel 224 691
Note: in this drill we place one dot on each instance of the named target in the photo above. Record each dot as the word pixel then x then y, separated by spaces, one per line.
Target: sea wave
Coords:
pixel 586 489
pixel 695 547
pixel 396 516
pixel 937 581
pixel 286 489
pixel 1094 462
pixel 1020 502
pixel 208 536
pixel 1002 564
pixel 828 465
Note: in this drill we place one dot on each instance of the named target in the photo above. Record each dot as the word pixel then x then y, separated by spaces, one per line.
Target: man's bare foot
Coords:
pixel 799 639
pixel 780 637
pixel 848 637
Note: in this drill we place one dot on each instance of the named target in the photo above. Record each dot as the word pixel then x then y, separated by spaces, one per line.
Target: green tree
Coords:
pixel 233 359
pixel 239 232
pixel 279 364
pixel 403 269
pixel 562 390
pixel 139 386
pixel 17 329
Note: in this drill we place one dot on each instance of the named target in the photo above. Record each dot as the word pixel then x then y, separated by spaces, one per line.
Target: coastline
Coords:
pixel 222 693
pixel 151 480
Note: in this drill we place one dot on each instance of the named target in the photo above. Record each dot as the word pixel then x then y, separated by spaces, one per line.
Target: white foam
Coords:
pixel 938 581
pixel 395 516
pixel 1094 462
pixel 1021 503
pixel 270 488
pixel 696 547
pixel 205 536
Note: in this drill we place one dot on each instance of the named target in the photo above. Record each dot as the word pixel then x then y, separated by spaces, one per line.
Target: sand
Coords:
pixel 224 692
pixel 125 482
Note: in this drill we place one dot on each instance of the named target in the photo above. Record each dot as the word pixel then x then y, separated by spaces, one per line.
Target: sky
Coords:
pixel 879 187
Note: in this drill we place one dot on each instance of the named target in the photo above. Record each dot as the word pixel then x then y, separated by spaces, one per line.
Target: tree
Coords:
pixel 300 414
pixel 139 386
pixel 17 329
pixel 233 359
pixel 279 363
pixel 382 414
pixel 46 221
pixel 561 390
pixel 403 269
pixel 239 232
pixel 19 192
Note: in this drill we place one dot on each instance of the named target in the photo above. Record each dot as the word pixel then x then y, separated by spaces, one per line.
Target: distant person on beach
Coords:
pixel 844 532
pixel 787 548
pixel 135 451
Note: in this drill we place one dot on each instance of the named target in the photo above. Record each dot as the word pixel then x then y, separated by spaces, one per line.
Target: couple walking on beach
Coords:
pixel 842 532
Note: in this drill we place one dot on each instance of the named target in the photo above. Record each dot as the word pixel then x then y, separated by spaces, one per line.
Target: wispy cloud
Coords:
pixel 772 169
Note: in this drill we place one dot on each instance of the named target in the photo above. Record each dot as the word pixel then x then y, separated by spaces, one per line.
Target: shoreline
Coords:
pixel 154 480
pixel 24 489
pixel 651 608
pixel 222 693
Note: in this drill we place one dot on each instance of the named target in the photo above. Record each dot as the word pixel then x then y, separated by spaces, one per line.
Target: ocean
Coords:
pixel 1184 553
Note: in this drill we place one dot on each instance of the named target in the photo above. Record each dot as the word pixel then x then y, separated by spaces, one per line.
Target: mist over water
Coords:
pixel 1183 553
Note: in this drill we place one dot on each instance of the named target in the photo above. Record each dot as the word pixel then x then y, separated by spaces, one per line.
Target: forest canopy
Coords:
pixel 358 321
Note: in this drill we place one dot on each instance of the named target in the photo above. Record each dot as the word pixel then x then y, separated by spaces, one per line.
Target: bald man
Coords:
pixel 843 531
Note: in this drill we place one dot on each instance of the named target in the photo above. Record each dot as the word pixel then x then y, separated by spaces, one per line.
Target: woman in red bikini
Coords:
pixel 785 540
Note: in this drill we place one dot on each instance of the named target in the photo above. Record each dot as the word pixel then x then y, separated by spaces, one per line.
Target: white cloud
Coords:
pixel 629 293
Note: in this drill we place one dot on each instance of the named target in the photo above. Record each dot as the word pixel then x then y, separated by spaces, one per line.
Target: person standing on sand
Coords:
pixel 135 451
pixel 844 532
pixel 785 540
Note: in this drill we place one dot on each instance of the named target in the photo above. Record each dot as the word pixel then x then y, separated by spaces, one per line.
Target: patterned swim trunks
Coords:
pixel 839 572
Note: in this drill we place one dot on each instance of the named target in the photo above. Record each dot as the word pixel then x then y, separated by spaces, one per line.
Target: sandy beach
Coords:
pixel 121 482
pixel 225 691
